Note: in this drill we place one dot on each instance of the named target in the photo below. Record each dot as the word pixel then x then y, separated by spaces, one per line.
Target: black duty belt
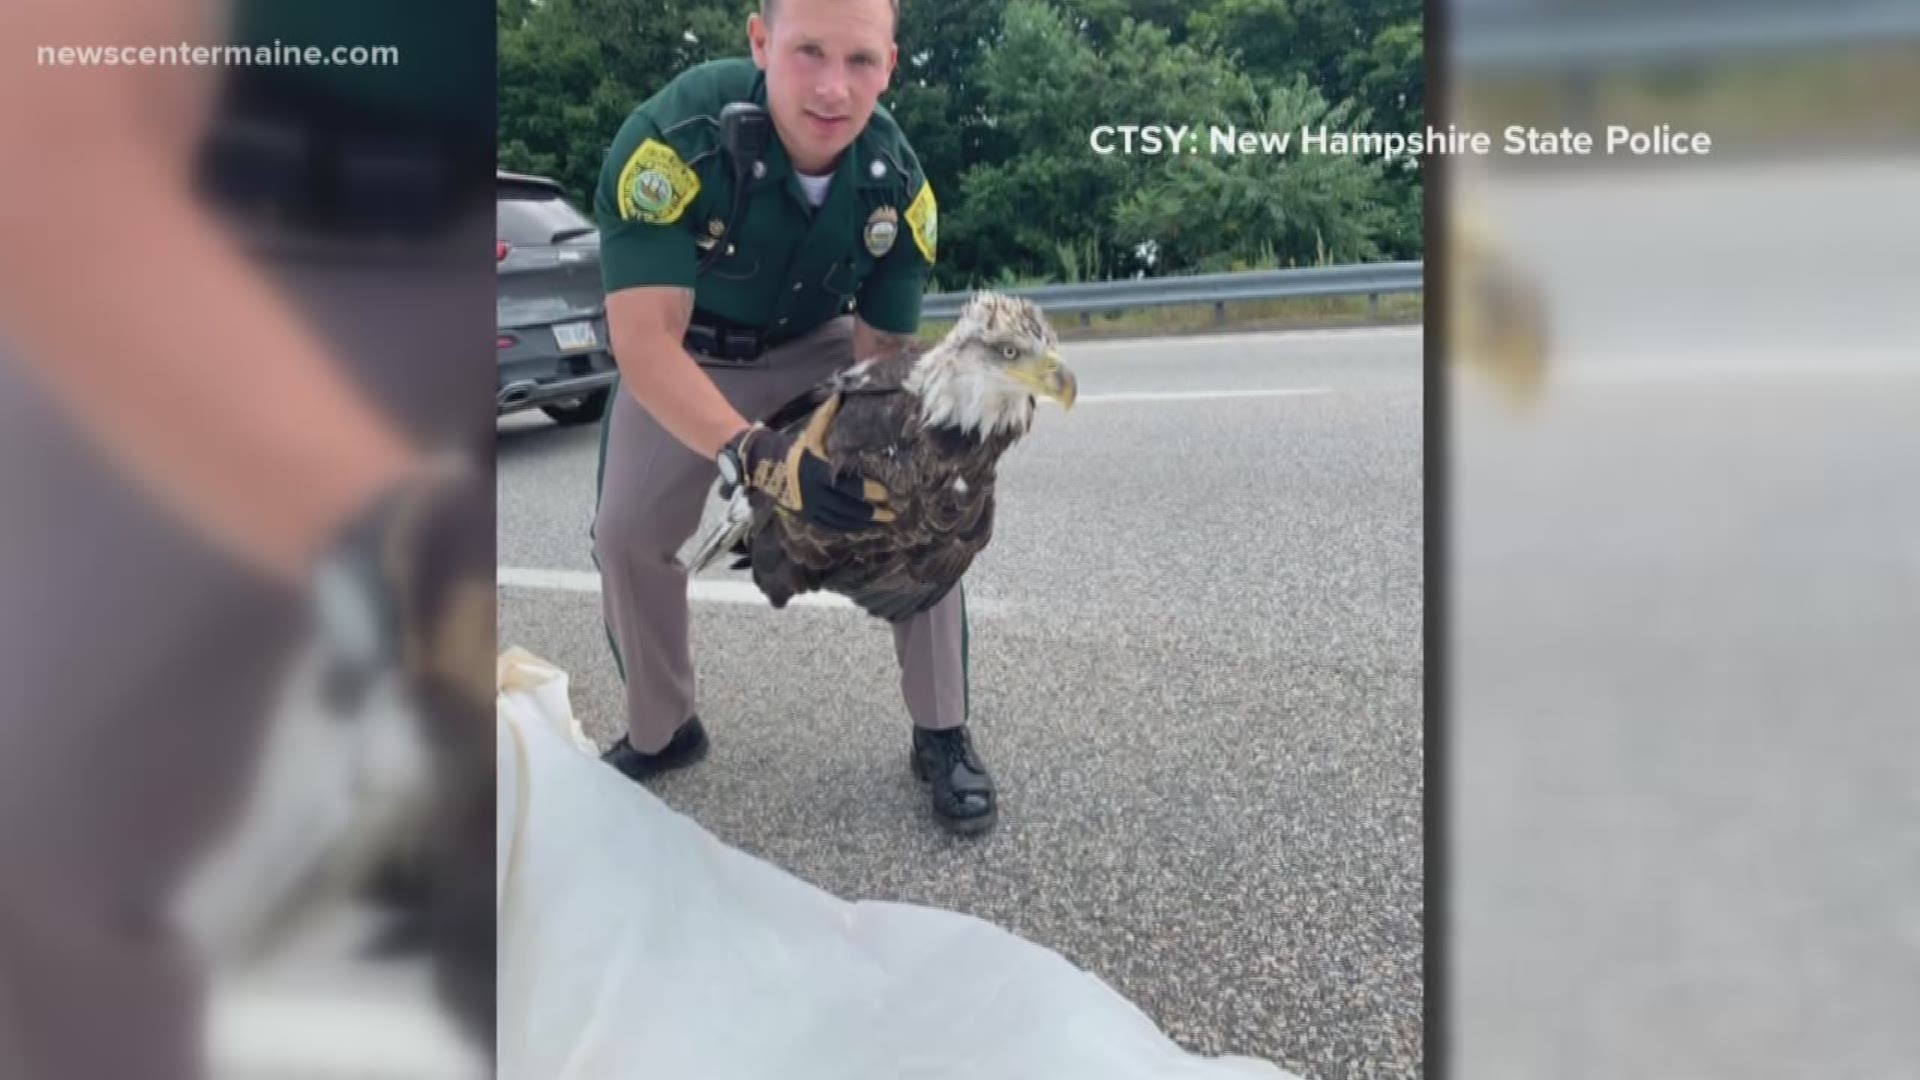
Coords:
pixel 339 174
pixel 721 342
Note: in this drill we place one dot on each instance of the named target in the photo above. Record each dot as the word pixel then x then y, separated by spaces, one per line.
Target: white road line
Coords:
pixel 582 581
pixel 1199 395
pixel 700 590
pixel 713 591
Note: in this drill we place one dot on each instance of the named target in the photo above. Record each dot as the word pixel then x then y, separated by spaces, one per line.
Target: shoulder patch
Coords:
pixel 655 185
pixel 923 220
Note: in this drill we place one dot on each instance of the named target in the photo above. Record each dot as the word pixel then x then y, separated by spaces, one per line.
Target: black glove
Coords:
pixel 796 475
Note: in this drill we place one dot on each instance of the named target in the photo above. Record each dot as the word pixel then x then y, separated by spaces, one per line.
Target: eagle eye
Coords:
pixel 1009 351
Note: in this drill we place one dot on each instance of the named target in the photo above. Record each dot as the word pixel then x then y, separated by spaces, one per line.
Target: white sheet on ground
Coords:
pixel 633 943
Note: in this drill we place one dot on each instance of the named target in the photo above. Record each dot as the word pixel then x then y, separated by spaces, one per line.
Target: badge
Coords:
pixel 923 219
pixel 655 185
pixel 883 225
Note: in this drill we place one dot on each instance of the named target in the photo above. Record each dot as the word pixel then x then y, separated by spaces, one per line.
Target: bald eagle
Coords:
pixel 930 425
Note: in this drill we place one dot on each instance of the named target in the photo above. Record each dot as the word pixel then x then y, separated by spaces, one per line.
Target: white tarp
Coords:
pixel 635 944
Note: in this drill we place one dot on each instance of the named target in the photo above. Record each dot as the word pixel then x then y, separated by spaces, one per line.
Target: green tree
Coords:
pixel 1372 52
pixel 1055 208
pixel 571 71
pixel 1388 77
pixel 1047 88
pixel 938 99
pixel 1233 211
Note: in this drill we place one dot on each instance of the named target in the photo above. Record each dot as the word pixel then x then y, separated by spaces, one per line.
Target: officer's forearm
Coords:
pixel 179 360
pixel 648 327
pixel 672 387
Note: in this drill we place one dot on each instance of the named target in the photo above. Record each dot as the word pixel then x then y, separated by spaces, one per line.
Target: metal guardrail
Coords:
pixel 1088 298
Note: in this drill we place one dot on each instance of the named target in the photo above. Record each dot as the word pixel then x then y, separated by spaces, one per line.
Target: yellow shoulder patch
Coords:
pixel 655 185
pixel 923 220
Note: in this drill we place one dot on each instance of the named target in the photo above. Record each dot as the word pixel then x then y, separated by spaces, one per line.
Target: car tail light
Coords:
pixel 500 249
pixel 505 341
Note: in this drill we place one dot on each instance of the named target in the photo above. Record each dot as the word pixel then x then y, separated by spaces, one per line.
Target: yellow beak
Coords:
pixel 1048 377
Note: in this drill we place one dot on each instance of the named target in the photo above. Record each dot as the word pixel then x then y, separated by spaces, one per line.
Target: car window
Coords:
pixel 526 221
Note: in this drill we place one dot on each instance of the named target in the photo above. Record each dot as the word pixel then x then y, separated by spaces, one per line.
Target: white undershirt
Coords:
pixel 816 186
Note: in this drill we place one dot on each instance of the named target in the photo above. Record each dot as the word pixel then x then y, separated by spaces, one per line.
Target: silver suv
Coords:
pixel 552 338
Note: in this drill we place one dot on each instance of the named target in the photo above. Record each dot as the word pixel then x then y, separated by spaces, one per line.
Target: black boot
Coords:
pixel 688 745
pixel 962 792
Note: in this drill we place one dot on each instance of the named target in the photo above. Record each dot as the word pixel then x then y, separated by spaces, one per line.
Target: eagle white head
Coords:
pixel 985 375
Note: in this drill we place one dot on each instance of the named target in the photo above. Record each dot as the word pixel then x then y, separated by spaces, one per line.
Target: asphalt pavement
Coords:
pixel 1681 729
pixel 1196 673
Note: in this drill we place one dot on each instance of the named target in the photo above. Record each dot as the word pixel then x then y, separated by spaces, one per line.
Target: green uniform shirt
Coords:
pixel 666 187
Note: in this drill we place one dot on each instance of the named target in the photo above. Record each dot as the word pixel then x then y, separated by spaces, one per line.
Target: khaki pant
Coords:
pixel 651 491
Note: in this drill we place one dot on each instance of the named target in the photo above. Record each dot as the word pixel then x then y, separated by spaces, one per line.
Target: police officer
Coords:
pixel 763 223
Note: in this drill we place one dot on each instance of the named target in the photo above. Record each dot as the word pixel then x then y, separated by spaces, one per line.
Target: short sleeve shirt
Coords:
pixel 666 189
